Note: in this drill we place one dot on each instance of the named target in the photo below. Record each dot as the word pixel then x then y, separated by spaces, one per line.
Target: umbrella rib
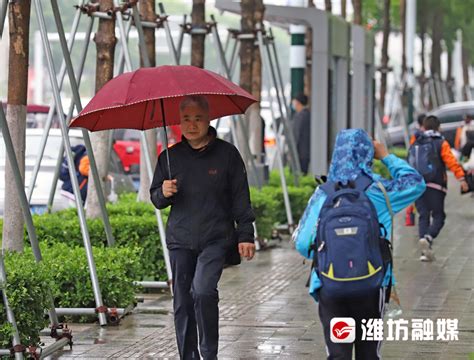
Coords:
pixel 233 102
pixel 144 115
pixel 128 88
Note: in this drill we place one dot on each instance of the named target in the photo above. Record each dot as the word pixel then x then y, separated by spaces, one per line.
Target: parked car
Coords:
pixel 122 182
pixel 36 116
pixel 450 116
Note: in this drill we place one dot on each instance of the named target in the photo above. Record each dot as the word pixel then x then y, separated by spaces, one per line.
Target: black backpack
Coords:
pixel 425 156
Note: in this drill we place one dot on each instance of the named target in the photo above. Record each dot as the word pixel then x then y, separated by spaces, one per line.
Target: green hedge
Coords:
pixel 26 289
pixel 65 273
pixel 137 227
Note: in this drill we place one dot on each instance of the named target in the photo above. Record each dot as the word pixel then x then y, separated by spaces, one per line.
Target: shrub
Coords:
pixel 116 269
pixel 264 205
pixel 304 180
pixel 128 230
pixel 65 273
pixel 26 287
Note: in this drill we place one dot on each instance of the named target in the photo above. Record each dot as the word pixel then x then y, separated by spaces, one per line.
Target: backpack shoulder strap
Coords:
pixel 329 188
pixel 363 182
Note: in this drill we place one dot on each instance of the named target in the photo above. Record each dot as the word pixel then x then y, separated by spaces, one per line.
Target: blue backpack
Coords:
pixel 350 255
pixel 424 156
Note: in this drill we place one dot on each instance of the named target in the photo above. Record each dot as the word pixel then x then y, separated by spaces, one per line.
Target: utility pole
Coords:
pixel 297 54
pixel 410 24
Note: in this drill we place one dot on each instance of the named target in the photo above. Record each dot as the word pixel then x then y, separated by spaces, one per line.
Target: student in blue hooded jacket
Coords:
pixel 353 155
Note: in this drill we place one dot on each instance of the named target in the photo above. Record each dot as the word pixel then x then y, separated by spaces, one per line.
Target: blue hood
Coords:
pixel 353 155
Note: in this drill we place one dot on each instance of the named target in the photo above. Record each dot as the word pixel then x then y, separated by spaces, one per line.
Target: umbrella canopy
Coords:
pixel 149 98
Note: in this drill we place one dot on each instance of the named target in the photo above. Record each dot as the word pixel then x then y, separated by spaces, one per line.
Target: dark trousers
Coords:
pixel 367 307
pixel 304 162
pixel 195 301
pixel 431 212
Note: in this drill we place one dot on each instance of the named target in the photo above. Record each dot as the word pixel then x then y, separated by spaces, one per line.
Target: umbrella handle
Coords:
pixel 166 139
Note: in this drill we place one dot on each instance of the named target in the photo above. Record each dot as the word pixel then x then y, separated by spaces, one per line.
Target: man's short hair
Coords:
pixel 431 123
pixel 199 100
pixel 302 98
pixel 420 119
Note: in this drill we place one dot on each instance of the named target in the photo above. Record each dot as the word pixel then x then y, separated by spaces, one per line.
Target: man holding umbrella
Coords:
pixel 211 214
pixel 202 178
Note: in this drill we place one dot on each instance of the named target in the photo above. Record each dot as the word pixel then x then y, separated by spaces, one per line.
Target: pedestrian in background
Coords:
pixel 81 167
pixel 431 155
pixel 301 129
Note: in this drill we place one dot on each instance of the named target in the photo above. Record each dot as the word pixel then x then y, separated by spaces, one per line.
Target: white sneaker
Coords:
pixel 427 253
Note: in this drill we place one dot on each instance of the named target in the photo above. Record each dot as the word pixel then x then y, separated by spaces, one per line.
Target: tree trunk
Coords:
pixel 105 43
pixel 403 10
pixel 436 43
pixel 198 40
pixel 256 126
pixel 148 13
pixel 328 6
pixel 343 9
pixel 357 4
pixel 384 65
pixel 309 55
pixel 246 57
pixel 19 29
pixel 465 71
pixel 449 76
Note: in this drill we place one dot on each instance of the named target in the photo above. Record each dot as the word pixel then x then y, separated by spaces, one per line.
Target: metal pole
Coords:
pixel 180 39
pixel 69 115
pixel 281 170
pixel 9 149
pixel 10 316
pixel 49 119
pixel 274 70
pixel 23 202
pixel 225 68
pixel 83 311
pixel 410 50
pixel 169 38
pixel 51 349
pixel 152 284
pixel 85 133
pixel 161 226
pixel 267 64
pixel 70 160
pixel 121 59
pixel 233 56
pixel 3 15
pixel 278 71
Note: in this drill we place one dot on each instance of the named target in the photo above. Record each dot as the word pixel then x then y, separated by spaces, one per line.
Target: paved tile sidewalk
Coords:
pixel 267 314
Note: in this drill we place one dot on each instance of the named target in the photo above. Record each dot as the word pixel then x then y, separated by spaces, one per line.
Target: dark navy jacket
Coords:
pixel 213 195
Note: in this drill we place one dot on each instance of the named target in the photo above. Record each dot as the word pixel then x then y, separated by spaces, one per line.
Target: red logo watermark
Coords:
pixel 343 330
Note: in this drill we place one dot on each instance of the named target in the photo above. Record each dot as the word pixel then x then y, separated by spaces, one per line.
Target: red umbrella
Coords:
pixel 149 98
pixel 129 100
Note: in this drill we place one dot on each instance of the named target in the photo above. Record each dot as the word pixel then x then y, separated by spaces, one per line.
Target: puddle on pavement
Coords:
pixel 271 349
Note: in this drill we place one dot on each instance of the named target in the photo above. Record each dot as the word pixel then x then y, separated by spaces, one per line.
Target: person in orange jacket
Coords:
pixel 82 166
pixel 460 138
pixel 431 155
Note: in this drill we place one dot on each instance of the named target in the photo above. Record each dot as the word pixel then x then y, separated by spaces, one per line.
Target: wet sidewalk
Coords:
pixel 267 314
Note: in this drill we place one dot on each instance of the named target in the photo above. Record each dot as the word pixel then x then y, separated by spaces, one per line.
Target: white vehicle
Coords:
pixel 39 201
